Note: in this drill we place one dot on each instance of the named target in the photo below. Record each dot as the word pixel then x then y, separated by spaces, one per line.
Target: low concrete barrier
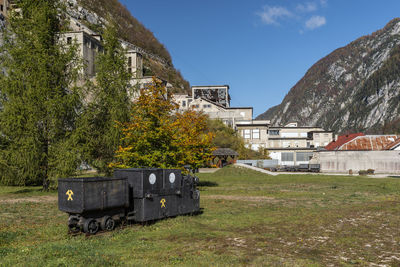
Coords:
pixel 262 163
pixel 255 169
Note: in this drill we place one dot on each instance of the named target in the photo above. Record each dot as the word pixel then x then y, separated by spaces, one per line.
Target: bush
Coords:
pixel 362 172
pixel 370 171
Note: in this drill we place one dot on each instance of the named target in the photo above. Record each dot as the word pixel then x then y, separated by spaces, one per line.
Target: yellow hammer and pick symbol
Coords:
pixel 69 194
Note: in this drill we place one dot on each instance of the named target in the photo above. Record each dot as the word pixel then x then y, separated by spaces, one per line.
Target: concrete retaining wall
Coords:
pixel 387 162
pixel 270 163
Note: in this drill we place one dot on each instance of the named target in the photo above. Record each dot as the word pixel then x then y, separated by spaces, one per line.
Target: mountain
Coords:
pixel 355 88
pixel 157 60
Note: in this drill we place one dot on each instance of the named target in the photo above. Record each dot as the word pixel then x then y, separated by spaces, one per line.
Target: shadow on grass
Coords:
pixel 207 184
pixel 27 190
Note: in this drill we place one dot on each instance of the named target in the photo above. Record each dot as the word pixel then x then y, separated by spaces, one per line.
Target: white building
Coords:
pixel 290 144
pixel 231 116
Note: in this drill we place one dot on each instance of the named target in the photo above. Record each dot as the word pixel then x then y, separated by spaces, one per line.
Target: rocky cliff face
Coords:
pixel 355 88
pixel 92 14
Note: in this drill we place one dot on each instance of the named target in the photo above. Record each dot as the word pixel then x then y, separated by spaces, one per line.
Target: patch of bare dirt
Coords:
pixel 36 199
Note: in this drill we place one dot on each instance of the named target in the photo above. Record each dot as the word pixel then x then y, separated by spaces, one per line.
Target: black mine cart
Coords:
pixel 93 202
pixel 160 193
pixel 139 195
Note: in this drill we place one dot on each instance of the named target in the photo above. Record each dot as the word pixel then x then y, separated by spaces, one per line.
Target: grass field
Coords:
pixel 248 219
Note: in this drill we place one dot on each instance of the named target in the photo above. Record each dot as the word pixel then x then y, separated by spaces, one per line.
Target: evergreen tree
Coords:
pixel 110 101
pixel 39 103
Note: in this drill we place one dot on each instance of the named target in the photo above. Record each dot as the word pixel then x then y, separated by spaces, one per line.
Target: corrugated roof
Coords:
pixel 369 142
pixel 343 139
pixel 225 152
pixel 393 144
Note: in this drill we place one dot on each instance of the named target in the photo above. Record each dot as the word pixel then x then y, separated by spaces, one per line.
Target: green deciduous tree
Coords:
pixel 226 137
pixel 109 102
pixel 39 103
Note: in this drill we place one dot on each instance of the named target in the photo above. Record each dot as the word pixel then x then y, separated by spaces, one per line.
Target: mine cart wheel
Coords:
pixel 73 225
pixel 90 226
pixel 107 223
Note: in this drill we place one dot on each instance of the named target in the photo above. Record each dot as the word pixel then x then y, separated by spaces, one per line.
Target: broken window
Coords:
pixel 273 132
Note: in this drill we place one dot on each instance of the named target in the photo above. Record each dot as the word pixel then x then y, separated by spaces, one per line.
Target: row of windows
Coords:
pixel 195 106
pixel 317 134
pixel 300 156
pixel 273 132
pixel 251 134
pixel 276 132
pixel 188 103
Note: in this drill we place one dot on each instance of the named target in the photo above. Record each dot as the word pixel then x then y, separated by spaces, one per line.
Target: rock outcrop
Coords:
pixel 355 88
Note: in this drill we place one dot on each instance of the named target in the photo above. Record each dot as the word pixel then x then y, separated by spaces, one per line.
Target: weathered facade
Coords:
pixel 254 133
pixel 230 116
pixel 218 94
pixel 342 161
pixel 290 145
pixel 4 8
pixel 88 45
pixel 135 63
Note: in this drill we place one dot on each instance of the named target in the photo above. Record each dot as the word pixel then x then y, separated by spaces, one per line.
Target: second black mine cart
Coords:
pixel 139 195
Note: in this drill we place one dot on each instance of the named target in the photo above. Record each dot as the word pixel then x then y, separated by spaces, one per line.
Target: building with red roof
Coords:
pixel 342 139
pixel 361 142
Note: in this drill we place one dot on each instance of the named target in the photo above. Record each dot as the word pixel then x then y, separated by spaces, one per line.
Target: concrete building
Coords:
pixel 342 161
pixel 230 116
pixel 357 152
pixel 290 144
pixel 88 45
pixel 254 133
pixel 135 63
pixel 218 94
pixel 4 8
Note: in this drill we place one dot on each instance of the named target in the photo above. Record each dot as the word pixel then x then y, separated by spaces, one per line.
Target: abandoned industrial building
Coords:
pixel 90 45
pixel 290 144
pixel 231 116
pixel 355 152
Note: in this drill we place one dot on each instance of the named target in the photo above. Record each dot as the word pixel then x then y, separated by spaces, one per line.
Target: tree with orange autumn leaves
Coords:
pixel 156 137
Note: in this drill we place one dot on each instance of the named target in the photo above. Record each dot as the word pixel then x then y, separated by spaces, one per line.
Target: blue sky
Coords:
pixel 261 48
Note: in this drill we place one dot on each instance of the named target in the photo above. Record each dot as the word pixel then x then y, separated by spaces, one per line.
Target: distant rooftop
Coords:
pixel 343 139
pixel 359 141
